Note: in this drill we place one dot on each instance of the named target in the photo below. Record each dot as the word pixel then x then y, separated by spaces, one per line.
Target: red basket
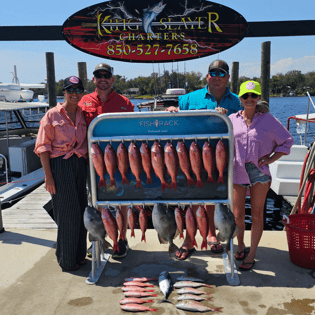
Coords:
pixel 300 230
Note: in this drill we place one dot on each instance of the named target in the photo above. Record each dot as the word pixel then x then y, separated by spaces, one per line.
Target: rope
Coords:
pixel 307 203
pixel 21 181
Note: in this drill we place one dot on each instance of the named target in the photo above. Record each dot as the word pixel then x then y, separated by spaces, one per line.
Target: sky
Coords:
pixel 287 53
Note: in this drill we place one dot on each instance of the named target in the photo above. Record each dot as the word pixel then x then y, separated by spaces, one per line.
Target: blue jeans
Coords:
pixel 255 175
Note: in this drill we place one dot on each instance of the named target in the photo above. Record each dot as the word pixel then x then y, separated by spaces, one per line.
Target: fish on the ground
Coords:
pixel 195 157
pixel 184 161
pixel 187 290
pixel 111 163
pixel 190 284
pixel 166 285
pixel 194 306
pixel 111 228
pixel 157 159
pixel 138 284
pixel 98 162
pixel 191 225
pixel 188 278
pixel 171 162
pixel 134 301
pixel 221 158
pixel 224 221
pixel 164 223
pixel 136 288
pixel 123 162
pixel 138 294
pixel 137 308
pixel 131 221
pixel 194 297
pixel 143 279
pixel 135 163
pixel 143 222
pixel 94 225
pixel 203 225
pixel 146 161
pixel 120 223
pixel 179 218
pixel 208 159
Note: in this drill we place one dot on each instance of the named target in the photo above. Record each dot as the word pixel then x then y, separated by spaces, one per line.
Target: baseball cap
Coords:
pixel 104 67
pixel 73 80
pixel 250 87
pixel 219 64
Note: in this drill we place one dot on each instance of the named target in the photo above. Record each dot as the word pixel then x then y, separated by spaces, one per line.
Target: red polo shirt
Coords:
pixel 92 106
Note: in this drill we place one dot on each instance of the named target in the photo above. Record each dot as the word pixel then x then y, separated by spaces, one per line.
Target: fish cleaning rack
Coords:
pixel 187 126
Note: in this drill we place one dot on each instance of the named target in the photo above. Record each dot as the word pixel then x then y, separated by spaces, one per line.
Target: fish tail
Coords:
pixel 132 233
pixel 204 244
pixel 207 285
pixel 173 248
pixel 210 179
pixel 138 184
pixel 165 185
pixel 181 235
pixel 150 290
pixel 218 309
pixel 190 181
pixel 116 247
pixel 199 183
pixel 102 183
pixel 173 185
pixel 143 237
pixel 149 180
pixel 193 242
pixel 124 180
pixel 221 179
pixel 112 182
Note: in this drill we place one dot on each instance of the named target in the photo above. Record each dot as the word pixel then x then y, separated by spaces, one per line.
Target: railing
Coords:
pixel 307 120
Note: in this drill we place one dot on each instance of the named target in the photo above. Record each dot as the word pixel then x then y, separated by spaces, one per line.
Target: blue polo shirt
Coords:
pixel 202 99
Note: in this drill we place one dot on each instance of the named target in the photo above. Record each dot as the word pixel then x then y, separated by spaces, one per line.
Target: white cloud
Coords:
pixel 304 64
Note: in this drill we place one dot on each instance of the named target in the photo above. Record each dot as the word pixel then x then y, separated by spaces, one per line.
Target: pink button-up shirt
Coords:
pixel 59 136
pixel 264 136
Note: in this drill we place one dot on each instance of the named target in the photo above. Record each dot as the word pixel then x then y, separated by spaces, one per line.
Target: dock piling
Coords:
pixel 265 71
pixel 51 81
pixel 234 77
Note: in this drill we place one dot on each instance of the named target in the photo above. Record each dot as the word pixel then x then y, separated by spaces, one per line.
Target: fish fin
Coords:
pixel 132 233
pixel 220 179
pixel 204 244
pixel 143 238
pixel 210 180
pixel 165 301
pixel 237 231
pixel 112 182
pixel 220 238
pixel 193 242
pixel 165 185
pixel 199 183
pixel 190 181
pixel 125 181
pixel 102 183
pixel 106 245
pixel 138 184
pixel 149 180
pixel 161 240
pixel 173 248
pixel 173 185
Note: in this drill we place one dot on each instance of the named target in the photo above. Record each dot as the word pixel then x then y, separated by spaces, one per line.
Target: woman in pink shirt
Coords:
pixel 259 140
pixel 62 147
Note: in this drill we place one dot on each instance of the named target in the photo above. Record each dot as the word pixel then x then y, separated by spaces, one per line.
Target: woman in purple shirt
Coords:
pixel 259 139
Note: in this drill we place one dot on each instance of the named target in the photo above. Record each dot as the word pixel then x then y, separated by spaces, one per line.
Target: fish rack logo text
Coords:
pixel 158 123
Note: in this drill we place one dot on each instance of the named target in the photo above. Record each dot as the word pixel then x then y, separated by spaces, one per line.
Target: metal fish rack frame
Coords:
pixel 187 126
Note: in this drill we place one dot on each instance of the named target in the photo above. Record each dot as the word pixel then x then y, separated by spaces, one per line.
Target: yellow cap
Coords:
pixel 250 87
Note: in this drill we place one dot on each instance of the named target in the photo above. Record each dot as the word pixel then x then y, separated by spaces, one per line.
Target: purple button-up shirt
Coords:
pixel 264 136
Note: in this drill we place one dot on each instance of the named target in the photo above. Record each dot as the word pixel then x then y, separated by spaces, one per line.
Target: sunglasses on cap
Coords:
pixel 221 74
pixel 246 95
pixel 105 75
pixel 78 90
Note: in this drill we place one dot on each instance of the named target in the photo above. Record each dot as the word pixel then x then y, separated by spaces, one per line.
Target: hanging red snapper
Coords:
pixel 221 158
pixel 179 218
pixel 123 162
pixel 157 159
pixel 203 225
pixel 171 162
pixel 208 159
pixel 196 162
pixel 131 221
pixel 110 227
pixel 98 162
pixel 120 223
pixel 111 163
pixel 191 226
pixel 135 163
pixel 143 221
pixel 184 162
pixel 146 161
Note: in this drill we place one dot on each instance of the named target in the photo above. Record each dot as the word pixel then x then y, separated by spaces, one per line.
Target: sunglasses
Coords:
pixel 221 74
pixel 246 95
pixel 78 90
pixel 105 75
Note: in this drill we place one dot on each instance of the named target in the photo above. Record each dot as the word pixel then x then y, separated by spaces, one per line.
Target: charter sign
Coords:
pixel 151 31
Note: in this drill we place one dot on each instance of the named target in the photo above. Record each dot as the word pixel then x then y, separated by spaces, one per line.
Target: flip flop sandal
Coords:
pixel 183 250
pixel 245 252
pixel 246 264
pixel 215 251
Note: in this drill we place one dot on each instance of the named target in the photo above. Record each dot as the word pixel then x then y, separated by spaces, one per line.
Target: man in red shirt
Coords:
pixel 105 100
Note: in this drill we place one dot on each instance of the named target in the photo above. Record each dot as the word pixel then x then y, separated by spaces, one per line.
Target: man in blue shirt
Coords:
pixel 216 95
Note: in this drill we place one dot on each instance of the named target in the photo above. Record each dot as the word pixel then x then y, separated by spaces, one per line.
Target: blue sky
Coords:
pixel 287 53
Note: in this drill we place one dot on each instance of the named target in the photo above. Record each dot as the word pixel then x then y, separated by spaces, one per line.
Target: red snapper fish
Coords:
pixel 171 162
pixel 203 225
pixel 111 163
pixel 120 223
pixel 134 301
pixel 184 162
pixel 208 159
pixel 98 162
pixel 157 159
pixel 143 279
pixel 196 162
pixel 146 161
pixel 135 163
pixel 179 218
pixel 132 288
pixel 143 221
pixel 137 308
pixel 191 226
pixel 138 284
pixel 110 226
pixel 138 294
pixel 194 306
pixel 221 158
pixel 131 221
pixel 123 162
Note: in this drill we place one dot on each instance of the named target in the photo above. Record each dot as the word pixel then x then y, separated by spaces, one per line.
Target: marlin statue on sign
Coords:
pixel 149 15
